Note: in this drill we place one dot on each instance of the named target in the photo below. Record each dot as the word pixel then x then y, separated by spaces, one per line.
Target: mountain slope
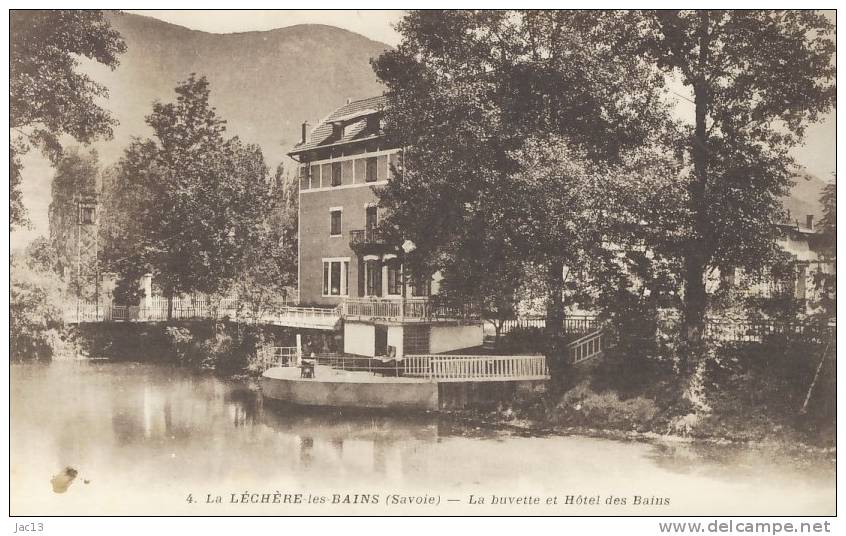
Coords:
pixel 263 83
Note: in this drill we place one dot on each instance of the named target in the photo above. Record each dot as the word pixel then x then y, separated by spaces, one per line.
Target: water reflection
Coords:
pixel 156 432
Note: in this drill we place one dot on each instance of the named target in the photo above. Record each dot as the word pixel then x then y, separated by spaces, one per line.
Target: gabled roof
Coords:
pixel 353 116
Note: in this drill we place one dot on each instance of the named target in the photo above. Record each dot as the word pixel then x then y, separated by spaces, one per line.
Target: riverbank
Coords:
pixel 758 396
pixel 744 394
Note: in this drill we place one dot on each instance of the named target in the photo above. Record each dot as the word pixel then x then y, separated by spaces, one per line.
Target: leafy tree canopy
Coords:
pixel 188 203
pixel 48 98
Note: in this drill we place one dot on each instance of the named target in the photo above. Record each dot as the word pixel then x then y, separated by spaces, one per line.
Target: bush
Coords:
pixel 35 315
pixel 607 408
pixel 524 340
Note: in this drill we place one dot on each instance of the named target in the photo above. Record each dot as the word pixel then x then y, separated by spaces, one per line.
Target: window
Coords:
pixel 373 271
pixel 335 274
pixel 394 279
pixel 371 170
pixel 421 287
pixel 304 179
pixel 336 173
pixel 315 176
pixel 370 217
pixel 87 215
pixel 801 282
pixel 335 222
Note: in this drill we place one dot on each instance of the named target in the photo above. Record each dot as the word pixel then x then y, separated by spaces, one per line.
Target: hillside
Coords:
pixel 263 83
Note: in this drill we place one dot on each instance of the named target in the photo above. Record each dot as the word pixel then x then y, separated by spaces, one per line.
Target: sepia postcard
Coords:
pixel 424 262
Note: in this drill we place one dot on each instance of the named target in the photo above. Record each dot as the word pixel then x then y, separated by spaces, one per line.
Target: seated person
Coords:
pixel 307 367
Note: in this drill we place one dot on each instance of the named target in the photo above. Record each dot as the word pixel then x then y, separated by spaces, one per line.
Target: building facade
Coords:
pixel 343 261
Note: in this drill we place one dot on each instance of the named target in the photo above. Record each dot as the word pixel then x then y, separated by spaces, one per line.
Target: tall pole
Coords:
pixel 78 255
pixel 96 268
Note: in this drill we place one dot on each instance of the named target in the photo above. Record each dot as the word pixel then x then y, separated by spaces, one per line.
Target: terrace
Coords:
pixel 407 310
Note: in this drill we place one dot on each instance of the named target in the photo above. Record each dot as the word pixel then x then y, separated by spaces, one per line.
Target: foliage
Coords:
pixel 589 407
pixel 828 223
pixel 269 267
pixel 188 204
pixel 76 175
pixel 757 79
pixel 510 128
pixel 48 97
pixel 17 210
pixel 35 298
pixel 826 283
pixel 524 340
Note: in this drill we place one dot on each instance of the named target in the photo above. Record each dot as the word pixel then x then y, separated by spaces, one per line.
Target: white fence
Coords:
pixel 201 308
pixel 572 324
pixel 408 309
pixel 462 368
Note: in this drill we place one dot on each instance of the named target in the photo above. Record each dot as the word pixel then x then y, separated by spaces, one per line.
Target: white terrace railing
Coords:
pixel 200 309
pixel 478 368
pixel 406 309
pixel 572 324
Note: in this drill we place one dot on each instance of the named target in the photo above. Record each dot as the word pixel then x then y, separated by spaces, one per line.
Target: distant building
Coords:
pixel 803 242
pixel 342 259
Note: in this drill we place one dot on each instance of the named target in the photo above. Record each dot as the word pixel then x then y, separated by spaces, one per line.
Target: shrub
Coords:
pixel 35 315
pixel 607 408
pixel 524 340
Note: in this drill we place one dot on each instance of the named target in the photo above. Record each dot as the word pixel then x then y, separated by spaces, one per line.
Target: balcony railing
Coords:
pixel 367 236
pixel 408 309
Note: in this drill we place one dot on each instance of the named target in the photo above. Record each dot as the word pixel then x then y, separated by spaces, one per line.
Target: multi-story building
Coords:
pixel 342 259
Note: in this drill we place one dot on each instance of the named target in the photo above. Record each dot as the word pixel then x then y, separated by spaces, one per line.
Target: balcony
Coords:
pixel 369 241
pixel 407 310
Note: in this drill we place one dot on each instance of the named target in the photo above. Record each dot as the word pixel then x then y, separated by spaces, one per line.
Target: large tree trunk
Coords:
pixel 698 247
pixel 169 306
pixel 497 332
pixel 695 306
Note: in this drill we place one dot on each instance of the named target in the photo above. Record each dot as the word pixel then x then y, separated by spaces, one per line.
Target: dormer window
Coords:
pixel 86 215
pixel 337 130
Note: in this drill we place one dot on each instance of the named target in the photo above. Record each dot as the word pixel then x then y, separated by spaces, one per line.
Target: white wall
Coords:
pixel 395 339
pixel 360 339
pixel 448 338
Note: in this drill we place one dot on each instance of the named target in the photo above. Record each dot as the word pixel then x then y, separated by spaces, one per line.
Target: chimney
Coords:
pixel 305 131
pixel 349 100
pixel 810 221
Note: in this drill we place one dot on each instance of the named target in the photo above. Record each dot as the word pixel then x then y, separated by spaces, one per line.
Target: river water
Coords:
pixel 143 438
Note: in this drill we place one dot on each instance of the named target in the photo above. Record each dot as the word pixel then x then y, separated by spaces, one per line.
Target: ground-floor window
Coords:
pixel 421 287
pixel 335 277
pixel 394 279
